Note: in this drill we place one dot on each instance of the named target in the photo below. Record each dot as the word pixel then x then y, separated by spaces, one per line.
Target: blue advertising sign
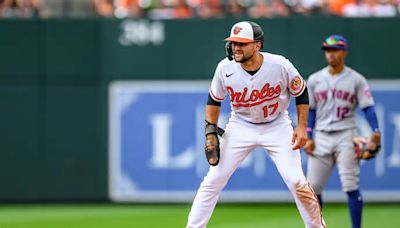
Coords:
pixel 156 154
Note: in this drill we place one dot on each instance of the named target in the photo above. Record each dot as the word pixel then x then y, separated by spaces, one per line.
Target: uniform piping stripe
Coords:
pixel 214 97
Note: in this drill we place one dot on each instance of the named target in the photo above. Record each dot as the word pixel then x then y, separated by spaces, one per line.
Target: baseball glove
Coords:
pixel 212 144
pixel 367 148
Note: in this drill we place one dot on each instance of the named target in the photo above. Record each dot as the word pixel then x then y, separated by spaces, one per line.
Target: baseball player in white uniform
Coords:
pixel 335 92
pixel 259 85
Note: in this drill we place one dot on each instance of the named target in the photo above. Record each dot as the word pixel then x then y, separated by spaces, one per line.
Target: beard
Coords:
pixel 242 59
pixel 334 63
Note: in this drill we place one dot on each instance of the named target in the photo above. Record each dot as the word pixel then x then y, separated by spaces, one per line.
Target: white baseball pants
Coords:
pixel 238 141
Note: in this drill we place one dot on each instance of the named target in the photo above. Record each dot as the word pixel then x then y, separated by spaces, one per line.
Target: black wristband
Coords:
pixel 302 98
pixel 211 101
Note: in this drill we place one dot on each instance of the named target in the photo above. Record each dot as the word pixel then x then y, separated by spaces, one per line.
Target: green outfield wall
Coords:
pixel 54 76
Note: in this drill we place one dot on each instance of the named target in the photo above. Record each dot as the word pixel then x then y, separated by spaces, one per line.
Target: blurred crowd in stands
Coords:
pixel 183 9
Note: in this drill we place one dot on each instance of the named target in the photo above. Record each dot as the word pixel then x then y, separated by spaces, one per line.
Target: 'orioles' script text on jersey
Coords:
pixel 260 97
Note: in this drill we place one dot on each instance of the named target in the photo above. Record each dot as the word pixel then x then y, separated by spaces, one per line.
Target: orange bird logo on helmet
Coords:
pixel 236 30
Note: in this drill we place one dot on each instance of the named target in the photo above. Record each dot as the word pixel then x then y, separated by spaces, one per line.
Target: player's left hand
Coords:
pixel 309 147
pixel 299 137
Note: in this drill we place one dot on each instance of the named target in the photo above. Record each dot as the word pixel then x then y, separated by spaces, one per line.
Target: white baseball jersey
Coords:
pixel 261 97
pixel 335 99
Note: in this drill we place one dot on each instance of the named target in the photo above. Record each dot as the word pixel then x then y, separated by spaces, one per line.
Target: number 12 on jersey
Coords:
pixel 341 112
pixel 270 109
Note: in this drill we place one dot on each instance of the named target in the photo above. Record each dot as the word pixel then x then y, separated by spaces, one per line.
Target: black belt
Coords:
pixel 261 122
pixel 331 131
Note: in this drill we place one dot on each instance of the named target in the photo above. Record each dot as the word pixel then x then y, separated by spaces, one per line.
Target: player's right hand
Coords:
pixel 309 147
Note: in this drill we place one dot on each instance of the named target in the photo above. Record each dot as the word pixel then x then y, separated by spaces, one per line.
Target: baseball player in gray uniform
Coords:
pixel 334 94
pixel 259 85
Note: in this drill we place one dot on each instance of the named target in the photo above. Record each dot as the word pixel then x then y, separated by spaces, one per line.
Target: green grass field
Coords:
pixel 225 215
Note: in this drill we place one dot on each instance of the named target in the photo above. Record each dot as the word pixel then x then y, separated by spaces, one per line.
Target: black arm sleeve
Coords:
pixel 303 98
pixel 211 101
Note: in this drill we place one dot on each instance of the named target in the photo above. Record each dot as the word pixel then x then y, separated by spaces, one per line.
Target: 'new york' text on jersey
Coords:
pixel 335 98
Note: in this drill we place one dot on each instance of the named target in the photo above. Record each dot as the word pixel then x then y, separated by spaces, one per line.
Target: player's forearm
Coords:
pixel 302 115
pixel 311 122
pixel 212 113
pixel 371 117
